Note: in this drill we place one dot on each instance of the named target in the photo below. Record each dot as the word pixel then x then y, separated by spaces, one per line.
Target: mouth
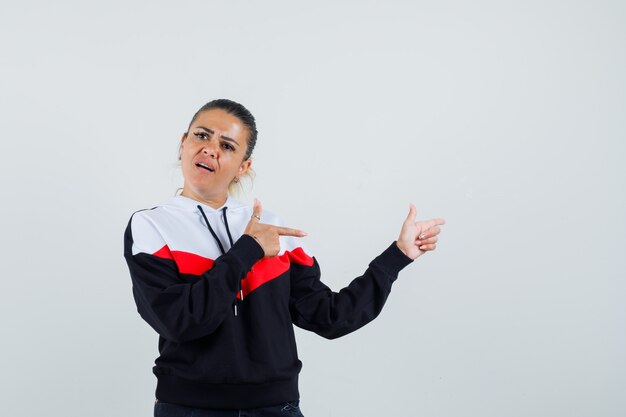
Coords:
pixel 208 168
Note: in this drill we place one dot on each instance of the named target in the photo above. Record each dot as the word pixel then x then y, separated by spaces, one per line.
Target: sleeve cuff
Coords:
pixel 248 251
pixel 393 260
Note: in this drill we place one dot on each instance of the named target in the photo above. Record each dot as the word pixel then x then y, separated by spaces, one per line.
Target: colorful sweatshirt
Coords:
pixel 225 314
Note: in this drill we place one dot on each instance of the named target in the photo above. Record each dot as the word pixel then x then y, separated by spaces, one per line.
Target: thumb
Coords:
pixel 256 209
pixel 412 213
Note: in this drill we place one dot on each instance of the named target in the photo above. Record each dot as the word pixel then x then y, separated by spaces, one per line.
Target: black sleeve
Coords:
pixel 180 310
pixel 317 308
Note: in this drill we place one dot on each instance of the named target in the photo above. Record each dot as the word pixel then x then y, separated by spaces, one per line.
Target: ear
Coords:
pixel 182 142
pixel 245 165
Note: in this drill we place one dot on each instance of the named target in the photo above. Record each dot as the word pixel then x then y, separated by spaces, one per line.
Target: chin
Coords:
pixel 206 191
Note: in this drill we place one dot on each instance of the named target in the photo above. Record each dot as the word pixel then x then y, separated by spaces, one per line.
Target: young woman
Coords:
pixel 223 283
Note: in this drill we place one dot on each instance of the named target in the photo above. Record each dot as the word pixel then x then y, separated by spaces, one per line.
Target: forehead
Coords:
pixel 221 123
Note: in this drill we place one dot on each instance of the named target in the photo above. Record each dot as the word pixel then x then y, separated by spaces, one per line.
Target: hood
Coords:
pixel 189 204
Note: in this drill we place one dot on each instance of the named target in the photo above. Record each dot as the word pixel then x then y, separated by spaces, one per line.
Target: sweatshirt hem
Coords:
pixel 176 390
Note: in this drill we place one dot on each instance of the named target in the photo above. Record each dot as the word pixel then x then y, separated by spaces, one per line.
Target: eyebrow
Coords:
pixel 221 136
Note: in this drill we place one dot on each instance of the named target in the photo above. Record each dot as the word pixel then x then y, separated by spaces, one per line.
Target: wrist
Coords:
pixel 247 251
pixel 257 240
pixel 401 247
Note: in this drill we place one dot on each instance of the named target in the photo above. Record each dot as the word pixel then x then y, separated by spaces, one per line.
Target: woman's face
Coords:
pixel 212 155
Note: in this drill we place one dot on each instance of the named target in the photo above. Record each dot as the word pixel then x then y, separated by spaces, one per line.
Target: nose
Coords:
pixel 210 150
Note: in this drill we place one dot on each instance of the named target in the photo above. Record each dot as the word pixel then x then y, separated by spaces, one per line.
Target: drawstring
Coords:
pixel 227 228
pixel 230 238
pixel 213 231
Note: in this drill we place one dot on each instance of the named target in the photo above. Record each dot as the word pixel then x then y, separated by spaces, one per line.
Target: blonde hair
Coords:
pixel 235 188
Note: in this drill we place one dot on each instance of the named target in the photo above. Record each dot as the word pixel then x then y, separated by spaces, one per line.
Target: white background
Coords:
pixel 505 118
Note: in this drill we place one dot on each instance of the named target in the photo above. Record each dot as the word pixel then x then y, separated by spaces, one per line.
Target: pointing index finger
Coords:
pixel 436 222
pixel 288 231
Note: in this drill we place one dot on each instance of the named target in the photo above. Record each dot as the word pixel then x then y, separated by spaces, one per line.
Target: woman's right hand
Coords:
pixel 418 237
pixel 266 234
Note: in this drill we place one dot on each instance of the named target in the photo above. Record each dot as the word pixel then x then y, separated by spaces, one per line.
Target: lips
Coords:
pixel 205 166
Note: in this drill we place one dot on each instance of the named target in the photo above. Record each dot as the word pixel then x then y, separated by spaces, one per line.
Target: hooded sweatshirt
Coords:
pixel 224 313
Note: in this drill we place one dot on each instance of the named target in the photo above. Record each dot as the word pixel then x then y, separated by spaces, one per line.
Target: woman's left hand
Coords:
pixel 418 237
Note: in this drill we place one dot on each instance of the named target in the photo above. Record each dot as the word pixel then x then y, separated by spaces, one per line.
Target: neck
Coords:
pixel 215 201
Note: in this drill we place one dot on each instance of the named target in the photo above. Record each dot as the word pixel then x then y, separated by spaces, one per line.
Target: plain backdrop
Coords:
pixel 505 118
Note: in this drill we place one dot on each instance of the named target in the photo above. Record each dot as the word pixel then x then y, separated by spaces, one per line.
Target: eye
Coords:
pixel 201 135
pixel 228 146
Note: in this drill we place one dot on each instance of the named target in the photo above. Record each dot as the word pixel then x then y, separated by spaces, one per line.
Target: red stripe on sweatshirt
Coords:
pixel 299 256
pixel 262 272
pixel 268 269
pixel 188 263
pixel 164 253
